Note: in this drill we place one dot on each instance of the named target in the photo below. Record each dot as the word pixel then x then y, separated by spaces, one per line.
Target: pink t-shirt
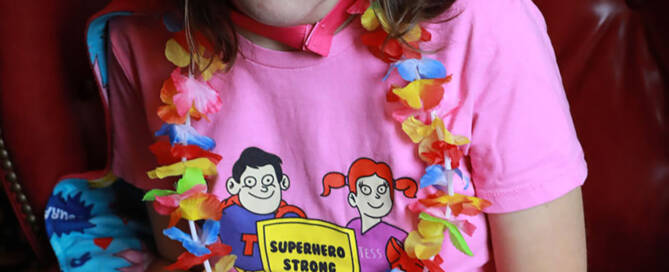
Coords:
pixel 320 114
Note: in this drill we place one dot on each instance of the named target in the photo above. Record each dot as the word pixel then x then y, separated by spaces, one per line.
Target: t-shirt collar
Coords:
pixel 315 38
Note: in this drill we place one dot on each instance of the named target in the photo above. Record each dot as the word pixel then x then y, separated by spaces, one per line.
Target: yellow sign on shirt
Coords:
pixel 298 244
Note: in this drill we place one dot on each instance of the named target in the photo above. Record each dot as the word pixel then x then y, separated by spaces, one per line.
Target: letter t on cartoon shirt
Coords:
pixel 255 195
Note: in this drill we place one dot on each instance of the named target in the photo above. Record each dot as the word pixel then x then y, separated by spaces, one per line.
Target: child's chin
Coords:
pixel 285 12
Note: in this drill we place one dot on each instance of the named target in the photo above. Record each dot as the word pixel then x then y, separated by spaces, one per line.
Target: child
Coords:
pixel 298 81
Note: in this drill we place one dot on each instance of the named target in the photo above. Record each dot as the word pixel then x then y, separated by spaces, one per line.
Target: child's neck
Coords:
pixel 282 13
pixel 368 223
pixel 268 43
pixel 263 41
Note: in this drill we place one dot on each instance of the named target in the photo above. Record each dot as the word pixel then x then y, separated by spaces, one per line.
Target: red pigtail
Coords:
pixel 333 180
pixel 407 186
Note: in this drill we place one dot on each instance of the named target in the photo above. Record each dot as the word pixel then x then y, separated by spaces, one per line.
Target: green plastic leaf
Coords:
pixel 454 233
pixel 151 195
pixel 192 176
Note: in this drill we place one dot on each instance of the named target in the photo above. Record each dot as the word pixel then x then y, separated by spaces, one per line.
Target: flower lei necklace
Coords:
pixel 186 154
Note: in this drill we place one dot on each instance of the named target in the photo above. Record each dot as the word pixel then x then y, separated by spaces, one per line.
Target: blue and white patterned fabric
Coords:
pixel 89 229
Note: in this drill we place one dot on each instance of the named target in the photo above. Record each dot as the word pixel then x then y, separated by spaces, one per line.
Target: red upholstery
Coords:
pixel 50 113
pixel 614 57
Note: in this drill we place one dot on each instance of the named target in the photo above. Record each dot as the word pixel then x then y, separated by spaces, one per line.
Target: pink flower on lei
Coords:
pixel 194 93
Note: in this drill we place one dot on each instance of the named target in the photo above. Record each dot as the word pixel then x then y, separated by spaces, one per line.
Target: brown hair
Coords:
pixel 211 18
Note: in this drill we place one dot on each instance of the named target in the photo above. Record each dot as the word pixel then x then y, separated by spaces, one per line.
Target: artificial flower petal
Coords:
pixel 194 151
pixel 431 68
pixel 413 35
pixel 369 20
pixel 422 94
pixel 210 232
pixel 452 151
pixel 166 153
pixel 439 150
pixel 398 258
pixel 472 207
pixel 427 153
pixel 192 177
pixel 447 136
pixel 414 69
pixel 430 229
pixel 434 265
pixel 411 51
pixel 411 93
pixel 466 227
pixel 432 92
pixel 422 248
pixel 197 247
pixel 408 69
pixel 209 66
pixel 164 209
pixel 194 247
pixel 434 175
pixel 455 139
pixel 184 134
pixel 458 203
pixel 225 264
pixel 187 260
pixel 201 206
pixel 176 54
pixel 166 204
pixel 415 129
pixel 167 91
pixel 180 57
pixel 425 35
pixel 152 194
pixel 456 237
pixel 389 50
pixel 208 168
pixel 194 93
pixel 168 112
pixel 175 216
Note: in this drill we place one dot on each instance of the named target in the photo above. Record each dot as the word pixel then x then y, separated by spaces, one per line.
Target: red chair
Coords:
pixel 614 57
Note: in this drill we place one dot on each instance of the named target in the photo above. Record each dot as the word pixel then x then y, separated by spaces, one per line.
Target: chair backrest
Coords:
pixel 51 117
pixel 613 56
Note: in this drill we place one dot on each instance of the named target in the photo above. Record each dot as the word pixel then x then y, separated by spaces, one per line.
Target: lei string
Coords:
pixel 187 154
pixel 437 147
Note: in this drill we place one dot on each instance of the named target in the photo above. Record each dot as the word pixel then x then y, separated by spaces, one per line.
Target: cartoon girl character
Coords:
pixel 371 191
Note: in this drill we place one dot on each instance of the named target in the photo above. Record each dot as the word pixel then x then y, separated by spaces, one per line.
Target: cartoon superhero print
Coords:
pixel 255 190
pixel 371 191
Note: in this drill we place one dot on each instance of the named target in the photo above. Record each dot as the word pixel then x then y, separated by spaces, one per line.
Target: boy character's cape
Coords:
pixel 283 209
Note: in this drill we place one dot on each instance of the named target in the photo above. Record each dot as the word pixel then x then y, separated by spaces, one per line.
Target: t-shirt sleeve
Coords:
pixel 524 149
pixel 131 135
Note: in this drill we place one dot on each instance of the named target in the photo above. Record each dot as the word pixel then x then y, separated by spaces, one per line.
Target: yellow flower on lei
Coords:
pixel 181 58
pixel 208 168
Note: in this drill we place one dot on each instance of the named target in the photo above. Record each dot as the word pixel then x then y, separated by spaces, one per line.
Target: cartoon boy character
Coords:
pixel 371 191
pixel 255 195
